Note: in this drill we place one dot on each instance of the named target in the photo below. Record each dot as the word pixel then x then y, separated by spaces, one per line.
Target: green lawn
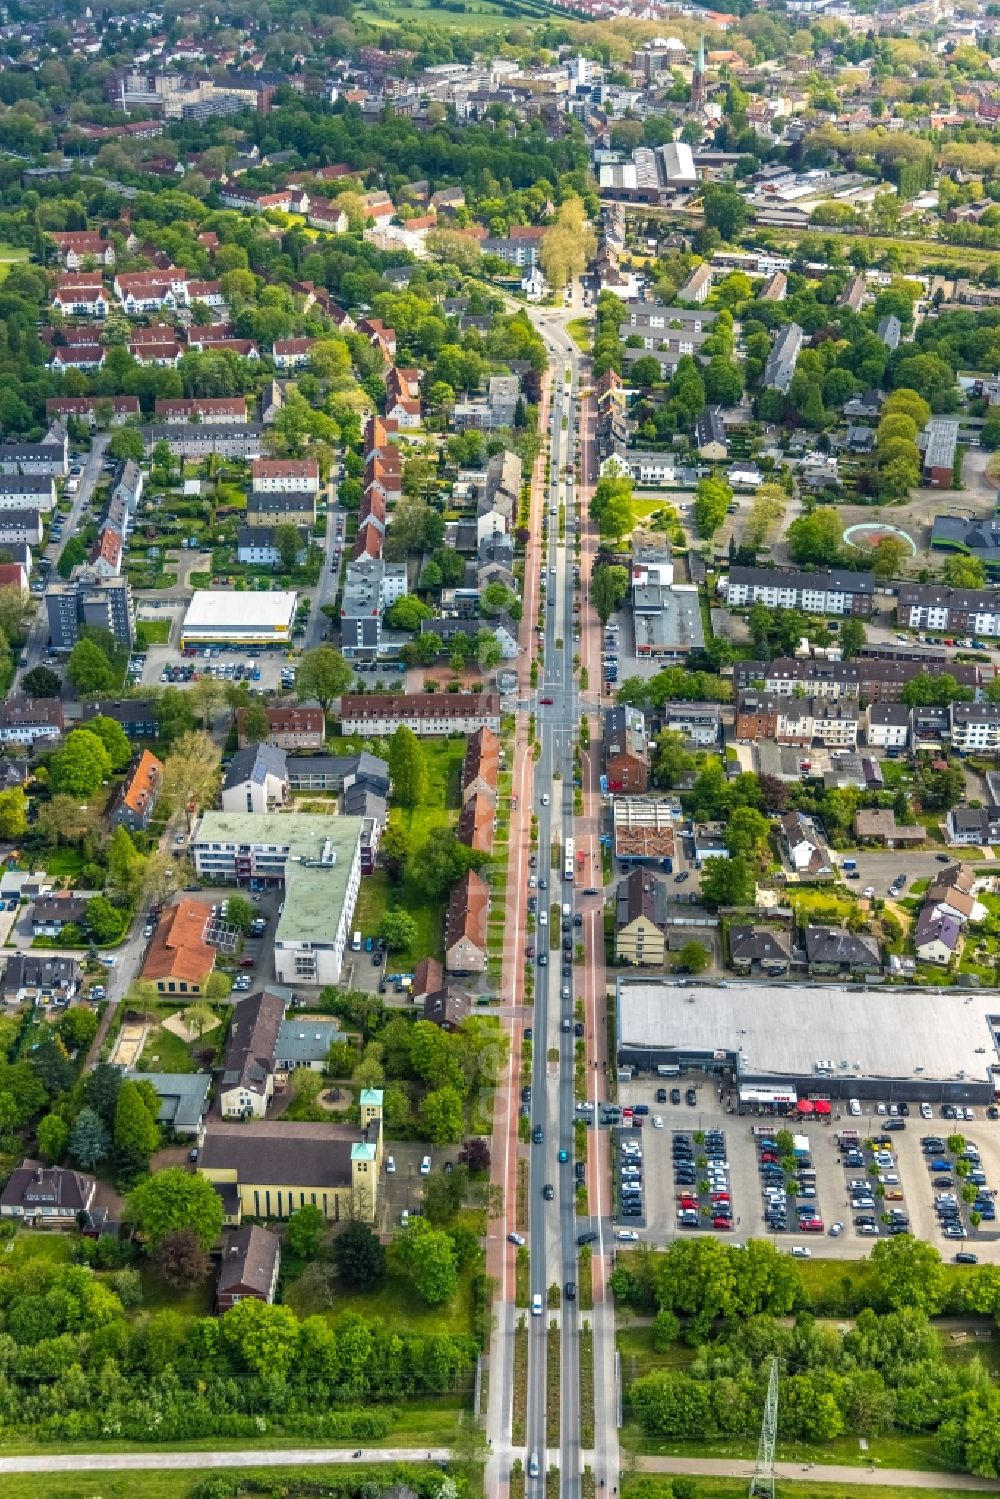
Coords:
pixel 657 1486
pixel 444 759
pixel 29 1245
pixel 580 331
pixel 154 631
pixel 184 1483
pixel 192 1301
pixel 394 1301
pixel 10 255
pixel 903 1451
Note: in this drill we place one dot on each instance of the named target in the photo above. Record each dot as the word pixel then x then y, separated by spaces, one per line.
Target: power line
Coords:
pixel 762 1482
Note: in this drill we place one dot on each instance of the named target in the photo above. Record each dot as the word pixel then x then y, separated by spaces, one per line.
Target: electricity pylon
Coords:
pixel 762 1482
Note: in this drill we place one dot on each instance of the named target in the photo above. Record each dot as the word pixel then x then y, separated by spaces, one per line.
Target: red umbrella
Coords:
pixel 805 1106
pixel 823 1106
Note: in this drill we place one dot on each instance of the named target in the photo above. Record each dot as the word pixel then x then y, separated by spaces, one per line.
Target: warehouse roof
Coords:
pixel 785 1031
pixel 221 611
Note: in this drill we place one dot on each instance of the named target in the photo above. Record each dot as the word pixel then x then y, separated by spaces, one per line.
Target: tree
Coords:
pixel 306 1231
pixel 174 1199
pixel 398 929
pixel 263 1338
pixel 910 402
pixel 73 555
pixel 41 681
pixel 322 674
pixel 692 958
pixel 673 761
pixel 712 499
pixel 359 1254
pixel 475 1154
pixel 395 848
pixel 497 598
pixel 255 726
pixel 910 1273
pixel 105 922
pixel 240 913
pixel 89 1141
pixel 136 1133
pixel 611 506
pixel 78 1027
pixel 408 768
pixel 441 1116
pixel 89 668
pixel 193 770
pixel 815 538
pixel 426 1256
pixel 113 737
pixel 53 1137
pixel 127 443
pixel 725 210
pixel 444 1193
pixel 81 765
pixel 888 555
pixel 852 637
pixel 125 864
pixel 961 571
pixel 408 613
pixel 608 589
pixel 180 1258
pixel 727 882
pixel 723 381
pixel 13 813
pixel 288 544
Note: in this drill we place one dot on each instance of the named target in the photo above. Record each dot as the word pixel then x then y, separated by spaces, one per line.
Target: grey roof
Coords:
pixel 833 580
pixel 833 944
pixel 304 1039
pixel 361 800
pixel 641 894
pixel 183 1096
pixel 255 764
pixel 941 439
pixel 39 971
pixel 971 535
pixel 25 484
pixel 253 1038
pixel 249 1259
pixel 759 944
pixel 710 426
pixel 933 928
pixel 34 1186
pixel 297 1155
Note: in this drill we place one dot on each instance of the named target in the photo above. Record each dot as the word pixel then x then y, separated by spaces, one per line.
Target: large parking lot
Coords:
pixel 831 1185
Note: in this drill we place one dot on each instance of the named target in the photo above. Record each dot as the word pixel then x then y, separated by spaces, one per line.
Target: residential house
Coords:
pixel 183 1099
pixel 255 546
pixel 626 750
pixel 481 765
pixel 135 799
pixel 805 850
pixel 292 353
pixel 28 720
pixel 379 715
pixel 251 1260
pixel 878 825
pixel 246 1086
pixel 641 920
pixel 781 362
pixel 285 476
pixel 267 1168
pixel 700 724
pixel 46 1195
pixel 937 936
pixel 887 725
pixel 465 944
pixel 289 727
pixel 476 822
pixel 765 950
pixel 975 827
pixel 710 435
pixel 179 960
pixel 51 913
pixel 304 1040
pixel 834 952
pixel 267 509
pixel 256 780
pixel 975 728
pixel 831 592
pixel 41 979
pixel 139 717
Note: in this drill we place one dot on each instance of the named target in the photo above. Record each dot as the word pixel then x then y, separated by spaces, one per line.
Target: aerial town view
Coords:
pixel 499 749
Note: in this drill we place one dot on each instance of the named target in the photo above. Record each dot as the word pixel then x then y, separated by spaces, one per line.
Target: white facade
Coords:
pixel 239 618
pixel 882 735
pixel 975 727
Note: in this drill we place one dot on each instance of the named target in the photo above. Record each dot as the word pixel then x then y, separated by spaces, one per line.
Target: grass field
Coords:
pixel 393 1300
pixel 155 631
pixel 10 255
pixel 919 1453
pixel 444 759
pixel 183 1484
pixel 580 331
pixel 657 1486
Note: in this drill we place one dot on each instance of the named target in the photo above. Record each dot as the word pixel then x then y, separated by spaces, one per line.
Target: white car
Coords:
pixel 801 1251
pixel 627 1236
pixel 425 1166
pixel 926 1112
pixel 657 1122
pixel 390 1165
pixel 868 892
pixel 545 798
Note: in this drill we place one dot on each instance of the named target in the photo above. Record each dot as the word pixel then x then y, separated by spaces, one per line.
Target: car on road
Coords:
pixel 533 1459
pixel 943 858
pixel 801 1252
pixel 680 878
pixel 965 1257
pixel 536 1311
pixel 425 1166
pixel 548 1191
pixel 626 1236
pixel 537 1135
pixel 868 892
pixel 517 1239
pixel 546 702
pixel 545 794
pixel 563 1157
pixel 590 1237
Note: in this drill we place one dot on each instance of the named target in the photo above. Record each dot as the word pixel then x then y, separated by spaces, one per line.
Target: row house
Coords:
pixel 798 721
pixel 328 216
pixel 371 586
pixel 27 492
pixel 285 475
pixel 111 411
pixel 135 800
pixel 287 507
pixel 166 355
pixel 379 336
pixel 292 353
pixel 831 592
pixel 149 291
pixel 466 927
pixel 430 713
pixel 626 750
pixel 209 410
pixel 83 357
pixel 199 439
pixel 76 248
pixel 865 677
pixel 80 296
pixel 46 459
pixel 27 720
pixel 481 767
pixel 930 606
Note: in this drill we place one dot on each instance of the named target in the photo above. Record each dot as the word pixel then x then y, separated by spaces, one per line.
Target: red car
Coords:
pixel 721 1197
pixel 812 1225
pixel 722 1223
pixel 546 701
pixel 685 1201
